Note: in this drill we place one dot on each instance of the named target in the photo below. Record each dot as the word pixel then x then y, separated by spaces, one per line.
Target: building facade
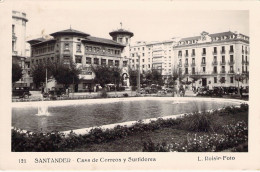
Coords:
pixel 153 56
pixel 81 48
pixel 19 56
pixel 216 58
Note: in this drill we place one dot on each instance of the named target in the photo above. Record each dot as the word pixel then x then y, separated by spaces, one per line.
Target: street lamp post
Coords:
pixel 138 77
pixel 238 78
pixel 46 89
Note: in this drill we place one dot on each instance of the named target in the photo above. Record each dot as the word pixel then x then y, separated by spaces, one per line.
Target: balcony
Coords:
pixel 231 62
pixel 186 64
pixel 203 53
pixel 223 51
pixel 193 55
pixel 222 72
pixel 186 55
pixel 192 64
pixel 203 63
pixel 247 52
pixel 179 65
pixel 204 73
pixel 243 51
pixel 245 63
pixel 180 56
pixel 231 51
pixel 214 63
pixel 214 72
pixel 214 53
pixel 222 63
pixel 231 72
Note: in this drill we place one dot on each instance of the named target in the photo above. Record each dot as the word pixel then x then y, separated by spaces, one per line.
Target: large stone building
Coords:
pixel 83 49
pixel 19 47
pixel 217 58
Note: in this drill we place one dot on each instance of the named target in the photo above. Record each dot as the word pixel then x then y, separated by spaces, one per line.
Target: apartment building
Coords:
pixel 153 56
pixel 217 58
pixel 19 55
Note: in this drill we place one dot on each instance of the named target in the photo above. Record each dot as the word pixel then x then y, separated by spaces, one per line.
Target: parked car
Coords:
pixel 232 90
pixel 21 92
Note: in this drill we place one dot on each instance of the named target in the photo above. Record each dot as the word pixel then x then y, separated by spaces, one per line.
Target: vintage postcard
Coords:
pixel 122 85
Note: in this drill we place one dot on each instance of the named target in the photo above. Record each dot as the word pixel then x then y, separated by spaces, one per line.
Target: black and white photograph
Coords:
pixel 103 79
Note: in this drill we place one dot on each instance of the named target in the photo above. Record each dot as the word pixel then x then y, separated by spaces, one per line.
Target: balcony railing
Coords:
pixel 180 56
pixel 214 63
pixel 222 63
pixel 203 63
pixel 245 62
pixel 231 62
pixel 192 64
pixel 214 52
pixel 222 72
pixel 214 72
pixel 231 51
pixel 243 51
pixel 223 51
pixel 179 65
pixel 204 73
pixel 186 55
pixel 231 71
pixel 247 52
pixel 186 64
pixel 203 53
pixel 193 55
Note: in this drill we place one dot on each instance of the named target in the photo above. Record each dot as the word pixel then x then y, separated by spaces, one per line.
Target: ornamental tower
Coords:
pixel 123 36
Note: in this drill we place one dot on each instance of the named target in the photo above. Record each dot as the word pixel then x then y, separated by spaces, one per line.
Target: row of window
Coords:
pixel 98 49
pixel 218 38
pixel 96 61
pixel 37 51
pixel 42 60
pixel 215 71
pixel 93 49
pixel 138 49
pixel 204 52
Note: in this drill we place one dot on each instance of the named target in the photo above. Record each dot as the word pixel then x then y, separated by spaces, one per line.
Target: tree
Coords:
pixel 195 77
pixel 133 77
pixel 222 80
pixel 153 77
pixel 180 74
pixel 106 75
pixel 38 72
pixel 65 74
pixel 175 75
pixel 16 72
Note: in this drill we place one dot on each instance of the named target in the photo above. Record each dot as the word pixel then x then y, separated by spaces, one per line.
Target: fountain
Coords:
pixel 42 111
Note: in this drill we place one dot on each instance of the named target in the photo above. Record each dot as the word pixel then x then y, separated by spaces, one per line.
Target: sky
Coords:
pixel 147 21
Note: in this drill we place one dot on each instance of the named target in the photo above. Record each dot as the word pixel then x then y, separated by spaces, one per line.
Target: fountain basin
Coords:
pixel 81 114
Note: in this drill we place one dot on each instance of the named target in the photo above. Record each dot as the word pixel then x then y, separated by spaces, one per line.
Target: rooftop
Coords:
pixel 70 32
pixel 102 41
pixel 121 31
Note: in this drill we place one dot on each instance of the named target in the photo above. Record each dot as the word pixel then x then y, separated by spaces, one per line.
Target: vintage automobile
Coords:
pixel 21 92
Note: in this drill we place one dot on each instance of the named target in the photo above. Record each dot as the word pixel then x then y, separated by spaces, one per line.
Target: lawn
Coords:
pixel 134 143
